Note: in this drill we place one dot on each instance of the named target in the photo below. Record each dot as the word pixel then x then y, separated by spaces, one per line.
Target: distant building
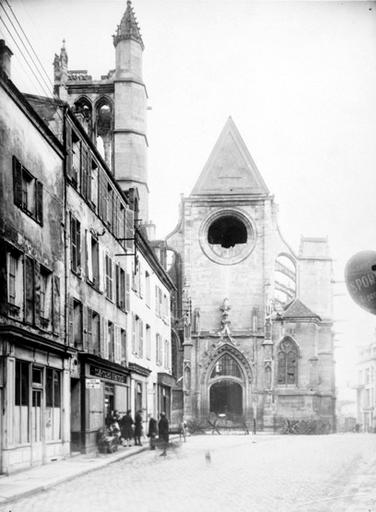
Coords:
pixel 257 317
pixel 366 388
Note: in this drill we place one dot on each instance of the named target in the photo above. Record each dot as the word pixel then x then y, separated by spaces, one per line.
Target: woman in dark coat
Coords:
pixel 152 432
pixel 126 423
pixel 138 428
pixel 163 429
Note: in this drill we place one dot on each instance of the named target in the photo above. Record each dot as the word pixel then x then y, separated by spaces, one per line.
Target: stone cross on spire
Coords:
pixel 128 28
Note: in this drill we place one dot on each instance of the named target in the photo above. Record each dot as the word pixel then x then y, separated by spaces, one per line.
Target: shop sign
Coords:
pixel 360 277
pixel 93 383
pixel 107 374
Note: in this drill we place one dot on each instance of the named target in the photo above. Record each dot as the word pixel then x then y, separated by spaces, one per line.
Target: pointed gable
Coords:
pixel 296 309
pixel 230 168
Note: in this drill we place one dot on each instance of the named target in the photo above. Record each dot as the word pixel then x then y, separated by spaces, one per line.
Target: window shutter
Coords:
pixel 89 343
pixel 84 171
pixel 3 279
pixel 141 340
pixel 84 312
pixel 88 177
pixel 127 291
pixel 29 290
pixel 73 251
pixel 156 299
pixel 105 339
pixel 70 322
pixel 37 293
pixel 117 285
pixel 39 202
pixel 56 304
pixel 78 244
pixel 69 151
pixel 101 268
pixel 117 345
pixel 101 336
pixel 133 334
pixel 17 182
pixel 89 261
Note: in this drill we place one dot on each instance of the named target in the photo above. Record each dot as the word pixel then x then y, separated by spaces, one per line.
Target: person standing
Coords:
pixel 163 428
pixel 126 426
pixel 138 428
pixel 152 431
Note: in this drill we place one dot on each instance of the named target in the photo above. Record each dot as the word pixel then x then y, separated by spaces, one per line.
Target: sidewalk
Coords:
pixel 43 477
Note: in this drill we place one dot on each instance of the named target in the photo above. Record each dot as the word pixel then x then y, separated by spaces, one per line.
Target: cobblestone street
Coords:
pixel 211 473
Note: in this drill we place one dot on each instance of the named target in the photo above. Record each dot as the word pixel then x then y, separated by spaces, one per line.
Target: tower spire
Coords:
pixel 128 28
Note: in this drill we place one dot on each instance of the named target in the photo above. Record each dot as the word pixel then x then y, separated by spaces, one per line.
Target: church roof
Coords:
pixel 230 169
pixel 128 28
pixel 296 309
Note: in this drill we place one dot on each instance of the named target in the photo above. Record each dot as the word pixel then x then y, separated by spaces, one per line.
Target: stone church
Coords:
pixel 257 317
pixel 252 337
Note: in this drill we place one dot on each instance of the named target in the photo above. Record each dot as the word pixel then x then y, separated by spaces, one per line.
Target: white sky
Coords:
pixel 299 80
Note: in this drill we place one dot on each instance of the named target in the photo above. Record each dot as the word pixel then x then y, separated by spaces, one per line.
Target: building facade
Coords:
pixel 34 364
pixel 257 324
pixel 366 388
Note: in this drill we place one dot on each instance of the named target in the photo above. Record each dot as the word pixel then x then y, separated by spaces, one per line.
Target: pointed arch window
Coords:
pixel 226 366
pixel 287 362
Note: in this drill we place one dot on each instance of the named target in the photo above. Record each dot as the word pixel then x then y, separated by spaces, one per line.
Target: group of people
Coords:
pixel 127 429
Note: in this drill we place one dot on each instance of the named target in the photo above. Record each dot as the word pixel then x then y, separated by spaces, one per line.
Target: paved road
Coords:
pixel 228 473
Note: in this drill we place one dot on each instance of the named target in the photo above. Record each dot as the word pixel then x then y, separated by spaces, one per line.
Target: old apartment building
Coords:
pixel 366 388
pixel 35 359
pixel 85 319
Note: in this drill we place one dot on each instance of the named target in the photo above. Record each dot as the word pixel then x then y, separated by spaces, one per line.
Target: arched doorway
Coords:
pixel 226 383
pixel 226 397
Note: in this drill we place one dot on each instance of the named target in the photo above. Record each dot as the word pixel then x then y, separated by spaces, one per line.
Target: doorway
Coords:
pixel 226 397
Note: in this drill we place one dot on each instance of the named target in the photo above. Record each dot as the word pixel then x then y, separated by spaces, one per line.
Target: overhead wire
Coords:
pixel 47 88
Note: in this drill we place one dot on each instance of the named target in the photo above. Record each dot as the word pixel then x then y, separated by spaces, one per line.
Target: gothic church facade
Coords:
pixel 257 317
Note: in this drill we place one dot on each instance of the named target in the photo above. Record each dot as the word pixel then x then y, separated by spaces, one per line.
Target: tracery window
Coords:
pixel 226 365
pixel 287 362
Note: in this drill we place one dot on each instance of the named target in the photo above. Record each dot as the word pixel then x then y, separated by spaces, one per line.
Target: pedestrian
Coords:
pixel 183 430
pixel 163 429
pixel 138 428
pixel 126 426
pixel 152 431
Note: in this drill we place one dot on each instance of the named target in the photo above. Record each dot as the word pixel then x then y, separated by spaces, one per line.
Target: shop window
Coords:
pixel 148 341
pixel 53 404
pixel 75 244
pixel 108 277
pixel 21 409
pixel 123 346
pixel 27 191
pixel 111 342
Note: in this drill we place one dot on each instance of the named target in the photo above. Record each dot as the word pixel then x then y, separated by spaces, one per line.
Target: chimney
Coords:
pixel 5 57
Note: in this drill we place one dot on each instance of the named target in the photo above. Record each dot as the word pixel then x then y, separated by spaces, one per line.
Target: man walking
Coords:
pixel 138 428
pixel 163 429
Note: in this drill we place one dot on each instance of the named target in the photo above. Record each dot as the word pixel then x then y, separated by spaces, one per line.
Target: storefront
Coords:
pixel 103 387
pixel 165 383
pixel 34 380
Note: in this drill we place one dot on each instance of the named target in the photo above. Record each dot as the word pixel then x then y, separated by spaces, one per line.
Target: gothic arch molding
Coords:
pixel 232 351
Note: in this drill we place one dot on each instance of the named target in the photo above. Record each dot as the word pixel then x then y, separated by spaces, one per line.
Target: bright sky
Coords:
pixel 299 80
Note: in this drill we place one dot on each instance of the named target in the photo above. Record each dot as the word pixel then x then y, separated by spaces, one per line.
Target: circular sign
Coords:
pixel 360 277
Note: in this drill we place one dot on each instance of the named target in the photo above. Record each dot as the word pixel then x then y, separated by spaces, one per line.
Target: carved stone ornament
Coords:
pixel 225 321
pixel 215 353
